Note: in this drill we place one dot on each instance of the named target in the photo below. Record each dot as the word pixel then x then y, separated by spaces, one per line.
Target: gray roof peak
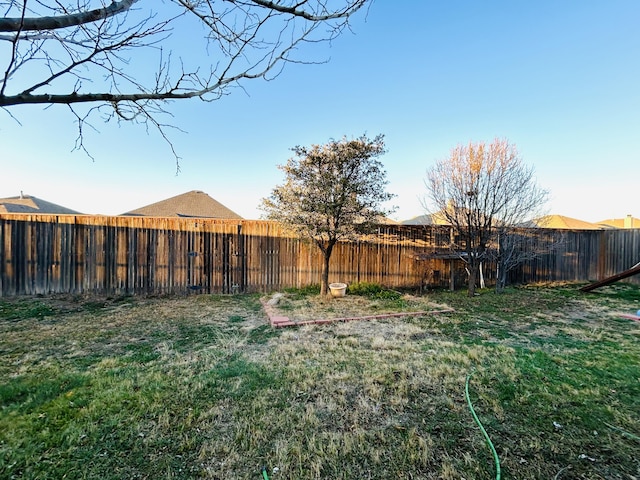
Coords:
pixel 196 204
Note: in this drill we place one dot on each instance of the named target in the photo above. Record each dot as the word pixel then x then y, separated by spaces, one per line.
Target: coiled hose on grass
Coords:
pixel 484 432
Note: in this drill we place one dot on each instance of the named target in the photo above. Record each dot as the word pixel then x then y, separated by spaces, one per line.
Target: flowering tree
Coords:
pixel 483 190
pixel 331 192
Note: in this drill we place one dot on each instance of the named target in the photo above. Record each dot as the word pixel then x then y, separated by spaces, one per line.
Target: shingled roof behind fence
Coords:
pixel 30 204
pixel 196 204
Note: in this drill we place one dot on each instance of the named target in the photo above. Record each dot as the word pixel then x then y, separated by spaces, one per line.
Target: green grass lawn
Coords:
pixel 202 387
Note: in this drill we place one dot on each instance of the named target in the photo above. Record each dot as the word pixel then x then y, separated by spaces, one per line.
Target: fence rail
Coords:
pixel 42 254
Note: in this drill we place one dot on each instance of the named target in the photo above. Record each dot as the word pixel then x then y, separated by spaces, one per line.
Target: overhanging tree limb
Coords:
pixel 295 10
pixel 30 24
pixel 94 39
pixel 70 53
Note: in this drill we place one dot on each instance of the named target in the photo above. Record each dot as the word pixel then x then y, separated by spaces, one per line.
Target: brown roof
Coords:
pixel 628 222
pixel 562 222
pixel 381 220
pixel 31 204
pixel 191 204
pixel 437 218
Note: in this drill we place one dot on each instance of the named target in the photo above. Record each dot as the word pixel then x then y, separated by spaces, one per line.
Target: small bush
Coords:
pixel 313 289
pixel 364 288
pixel 388 295
pixel 372 290
pixel 25 309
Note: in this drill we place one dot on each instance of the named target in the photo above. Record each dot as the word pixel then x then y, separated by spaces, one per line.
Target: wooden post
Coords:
pixel 452 272
pixel 452 275
pixel 602 256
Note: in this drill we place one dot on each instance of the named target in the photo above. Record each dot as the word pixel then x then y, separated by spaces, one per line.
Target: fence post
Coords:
pixel 602 255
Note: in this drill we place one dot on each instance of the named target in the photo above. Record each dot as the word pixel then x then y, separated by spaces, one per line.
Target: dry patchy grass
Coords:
pixel 317 307
pixel 202 387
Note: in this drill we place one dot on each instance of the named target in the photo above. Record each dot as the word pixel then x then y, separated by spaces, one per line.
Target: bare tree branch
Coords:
pixel 63 21
pixel 90 52
pixel 481 189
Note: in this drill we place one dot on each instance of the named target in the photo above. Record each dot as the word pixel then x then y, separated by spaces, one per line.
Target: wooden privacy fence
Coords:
pixel 41 254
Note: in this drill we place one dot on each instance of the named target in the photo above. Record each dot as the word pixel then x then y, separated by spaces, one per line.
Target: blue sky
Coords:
pixel 559 79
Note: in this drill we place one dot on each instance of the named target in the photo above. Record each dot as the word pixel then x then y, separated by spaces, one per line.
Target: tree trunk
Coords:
pixel 501 268
pixel 473 273
pixel 324 283
pixel 501 278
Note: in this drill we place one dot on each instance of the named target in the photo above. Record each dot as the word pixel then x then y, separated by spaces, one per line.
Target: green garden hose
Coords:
pixel 477 420
pixel 484 432
pixel 624 432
